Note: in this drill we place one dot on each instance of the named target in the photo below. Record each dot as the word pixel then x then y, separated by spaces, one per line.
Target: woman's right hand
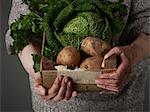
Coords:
pixel 62 88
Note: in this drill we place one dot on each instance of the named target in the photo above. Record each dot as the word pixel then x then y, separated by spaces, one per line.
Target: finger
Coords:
pixel 122 67
pixel 120 72
pixel 106 92
pixel 37 86
pixel 74 94
pixel 55 87
pixel 124 64
pixel 62 90
pixel 112 75
pixel 69 91
pixel 109 82
pixel 115 89
pixel 39 89
pixel 115 50
pixel 37 77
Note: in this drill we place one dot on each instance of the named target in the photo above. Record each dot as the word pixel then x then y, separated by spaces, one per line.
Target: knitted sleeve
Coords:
pixel 18 8
pixel 138 21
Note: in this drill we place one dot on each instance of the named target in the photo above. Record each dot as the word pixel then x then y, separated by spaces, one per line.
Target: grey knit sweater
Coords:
pixel 131 97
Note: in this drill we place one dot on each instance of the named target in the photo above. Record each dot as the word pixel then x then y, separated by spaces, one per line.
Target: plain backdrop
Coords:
pixel 15 93
pixel 15 88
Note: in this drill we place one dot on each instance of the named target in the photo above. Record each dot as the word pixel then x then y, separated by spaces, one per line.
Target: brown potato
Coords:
pixel 92 63
pixel 69 56
pixel 95 46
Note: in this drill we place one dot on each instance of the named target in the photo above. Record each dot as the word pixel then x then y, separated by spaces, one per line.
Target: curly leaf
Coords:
pixel 37 59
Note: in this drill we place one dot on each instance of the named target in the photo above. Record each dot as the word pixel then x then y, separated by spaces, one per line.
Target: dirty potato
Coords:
pixel 69 56
pixel 95 46
pixel 92 63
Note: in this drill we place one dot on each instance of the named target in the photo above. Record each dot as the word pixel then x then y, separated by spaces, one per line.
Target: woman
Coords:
pixel 128 80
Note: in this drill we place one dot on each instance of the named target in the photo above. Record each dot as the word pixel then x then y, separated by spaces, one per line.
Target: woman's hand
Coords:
pixel 62 88
pixel 132 54
pixel 113 81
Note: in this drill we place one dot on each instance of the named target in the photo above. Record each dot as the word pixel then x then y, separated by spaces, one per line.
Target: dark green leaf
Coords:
pixel 117 25
pixel 36 59
pixel 26 28
pixel 36 67
pixel 122 9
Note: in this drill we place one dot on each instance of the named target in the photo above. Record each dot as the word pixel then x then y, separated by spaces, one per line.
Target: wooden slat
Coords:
pixel 42 51
pixel 84 80
pixel 87 88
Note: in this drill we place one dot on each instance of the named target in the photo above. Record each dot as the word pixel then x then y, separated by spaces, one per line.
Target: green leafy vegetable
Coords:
pixel 50 52
pixel 67 39
pixel 37 60
pixel 26 28
pixel 95 23
pixel 38 6
pixel 117 25
pixel 63 16
pixel 85 7
pixel 66 22
pixel 106 33
pixel 78 26
pixel 53 44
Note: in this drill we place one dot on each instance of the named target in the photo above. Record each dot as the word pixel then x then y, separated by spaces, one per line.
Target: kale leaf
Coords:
pixel 37 59
pixel 26 28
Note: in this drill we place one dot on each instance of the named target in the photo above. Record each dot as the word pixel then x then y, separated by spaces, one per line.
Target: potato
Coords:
pixel 92 63
pixel 69 56
pixel 95 46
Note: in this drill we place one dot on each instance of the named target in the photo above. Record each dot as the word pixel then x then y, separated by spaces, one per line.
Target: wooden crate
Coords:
pixel 83 80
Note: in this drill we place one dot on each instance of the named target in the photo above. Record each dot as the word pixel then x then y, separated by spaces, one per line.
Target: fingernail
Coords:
pixel 99 85
pixel 106 56
pixel 60 78
pixel 103 64
pixel 101 76
pixel 102 92
pixel 66 80
pixel 69 83
pixel 75 94
pixel 65 99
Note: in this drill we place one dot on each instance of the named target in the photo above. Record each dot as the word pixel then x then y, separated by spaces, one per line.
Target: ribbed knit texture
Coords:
pixel 131 97
pixel 129 100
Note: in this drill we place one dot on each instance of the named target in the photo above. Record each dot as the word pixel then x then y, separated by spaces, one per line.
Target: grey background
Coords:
pixel 15 90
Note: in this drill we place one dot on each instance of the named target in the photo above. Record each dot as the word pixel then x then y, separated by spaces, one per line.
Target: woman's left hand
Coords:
pixel 113 81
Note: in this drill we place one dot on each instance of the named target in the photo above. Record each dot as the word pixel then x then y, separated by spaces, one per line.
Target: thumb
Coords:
pixel 37 77
pixel 39 89
pixel 113 51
